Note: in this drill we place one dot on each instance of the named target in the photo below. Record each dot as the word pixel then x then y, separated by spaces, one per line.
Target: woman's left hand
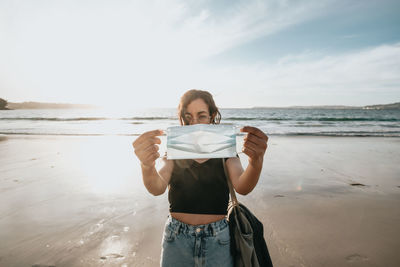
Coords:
pixel 255 145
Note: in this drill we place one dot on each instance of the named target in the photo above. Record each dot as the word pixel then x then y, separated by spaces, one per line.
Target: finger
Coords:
pixel 157 132
pixel 255 131
pixel 152 133
pixel 148 134
pixel 249 152
pixel 253 147
pixel 146 143
pixel 156 156
pixel 149 150
pixel 151 157
pixel 152 149
pixel 256 140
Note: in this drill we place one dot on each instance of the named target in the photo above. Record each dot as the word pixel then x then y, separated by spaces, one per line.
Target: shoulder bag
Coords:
pixel 248 245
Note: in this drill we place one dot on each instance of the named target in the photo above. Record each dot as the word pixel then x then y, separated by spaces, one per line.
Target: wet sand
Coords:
pixel 80 201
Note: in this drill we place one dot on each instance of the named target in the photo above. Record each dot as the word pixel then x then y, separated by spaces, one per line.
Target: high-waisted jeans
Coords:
pixel 196 245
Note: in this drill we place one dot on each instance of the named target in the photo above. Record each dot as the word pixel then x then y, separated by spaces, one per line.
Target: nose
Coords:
pixel 198 121
pixel 194 121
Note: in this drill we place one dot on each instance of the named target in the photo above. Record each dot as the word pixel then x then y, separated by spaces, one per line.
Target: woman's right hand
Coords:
pixel 146 148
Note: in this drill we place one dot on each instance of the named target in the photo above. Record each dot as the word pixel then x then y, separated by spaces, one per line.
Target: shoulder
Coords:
pixel 233 160
pixel 234 167
pixel 167 165
pixel 233 163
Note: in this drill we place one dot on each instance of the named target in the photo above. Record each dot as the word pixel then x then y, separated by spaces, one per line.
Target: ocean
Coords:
pixel 133 122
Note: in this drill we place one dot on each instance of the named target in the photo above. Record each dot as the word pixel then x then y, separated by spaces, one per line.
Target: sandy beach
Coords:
pixel 80 201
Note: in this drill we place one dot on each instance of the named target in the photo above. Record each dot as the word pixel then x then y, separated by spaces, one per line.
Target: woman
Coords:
pixel 196 232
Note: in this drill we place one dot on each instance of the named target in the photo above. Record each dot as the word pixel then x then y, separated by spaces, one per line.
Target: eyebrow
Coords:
pixel 200 112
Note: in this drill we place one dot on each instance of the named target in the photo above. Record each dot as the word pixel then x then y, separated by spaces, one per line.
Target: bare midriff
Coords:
pixel 197 219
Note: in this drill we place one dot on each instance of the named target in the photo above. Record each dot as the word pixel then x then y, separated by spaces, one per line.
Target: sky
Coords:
pixel 121 53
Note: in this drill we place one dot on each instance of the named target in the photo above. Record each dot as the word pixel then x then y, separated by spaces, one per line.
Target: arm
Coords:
pixel 255 145
pixel 156 182
pixel 146 150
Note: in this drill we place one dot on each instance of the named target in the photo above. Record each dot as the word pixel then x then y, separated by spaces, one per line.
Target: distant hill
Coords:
pixel 312 107
pixel 40 105
pixel 387 106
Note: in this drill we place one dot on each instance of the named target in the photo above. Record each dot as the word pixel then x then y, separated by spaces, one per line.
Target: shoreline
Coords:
pixel 133 135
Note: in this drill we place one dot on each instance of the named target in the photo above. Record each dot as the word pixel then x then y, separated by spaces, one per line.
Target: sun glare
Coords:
pixel 106 163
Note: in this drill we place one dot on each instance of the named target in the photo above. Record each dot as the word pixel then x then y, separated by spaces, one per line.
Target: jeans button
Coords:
pixel 198 230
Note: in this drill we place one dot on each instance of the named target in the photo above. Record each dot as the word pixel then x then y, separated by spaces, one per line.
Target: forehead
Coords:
pixel 197 106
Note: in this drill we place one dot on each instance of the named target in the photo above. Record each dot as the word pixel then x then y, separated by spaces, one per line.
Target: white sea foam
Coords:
pixel 313 122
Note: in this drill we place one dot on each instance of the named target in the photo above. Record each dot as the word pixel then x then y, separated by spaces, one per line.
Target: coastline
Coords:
pixel 80 201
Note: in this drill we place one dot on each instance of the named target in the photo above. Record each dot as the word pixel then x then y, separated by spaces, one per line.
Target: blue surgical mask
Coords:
pixel 201 141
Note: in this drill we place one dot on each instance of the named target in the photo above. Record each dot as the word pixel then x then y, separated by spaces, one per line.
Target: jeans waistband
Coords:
pixel 210 229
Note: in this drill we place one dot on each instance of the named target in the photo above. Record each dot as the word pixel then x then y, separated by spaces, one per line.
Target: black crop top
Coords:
pixel 199 188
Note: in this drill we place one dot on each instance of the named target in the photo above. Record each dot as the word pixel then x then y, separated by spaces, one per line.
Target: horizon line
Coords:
pixel 253 107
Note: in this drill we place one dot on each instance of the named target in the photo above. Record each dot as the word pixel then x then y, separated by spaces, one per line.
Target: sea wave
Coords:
pixel 337 134
pixel 299 119
pixel 343 134
pixel 86 118
pixel 64 134
pixel 55 119
pixel 329 119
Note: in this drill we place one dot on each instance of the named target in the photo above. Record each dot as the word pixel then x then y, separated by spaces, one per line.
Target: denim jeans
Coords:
pixel 196 245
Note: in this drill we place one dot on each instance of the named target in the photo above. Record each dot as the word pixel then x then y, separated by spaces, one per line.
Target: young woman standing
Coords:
pixel 196 232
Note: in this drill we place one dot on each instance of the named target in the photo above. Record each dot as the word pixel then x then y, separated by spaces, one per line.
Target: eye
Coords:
pixel 203 118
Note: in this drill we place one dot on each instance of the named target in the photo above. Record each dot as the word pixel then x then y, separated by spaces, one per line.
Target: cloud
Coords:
pixel 366 70
pixel 356 78
pixel 144 30
pixel 149 52
pixel 203 31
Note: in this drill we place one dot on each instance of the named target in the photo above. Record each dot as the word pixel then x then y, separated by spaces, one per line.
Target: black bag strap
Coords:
pixel 263 257
pixel 234 200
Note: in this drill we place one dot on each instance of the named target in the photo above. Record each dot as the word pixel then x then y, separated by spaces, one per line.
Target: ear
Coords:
pixel 213 116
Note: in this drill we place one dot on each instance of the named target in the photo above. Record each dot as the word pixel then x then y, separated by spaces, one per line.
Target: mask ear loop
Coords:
pixel 165 154
pixel 238 133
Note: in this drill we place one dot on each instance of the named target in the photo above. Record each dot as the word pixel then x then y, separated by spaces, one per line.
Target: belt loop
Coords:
pixel 178 228
pixel 212 228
